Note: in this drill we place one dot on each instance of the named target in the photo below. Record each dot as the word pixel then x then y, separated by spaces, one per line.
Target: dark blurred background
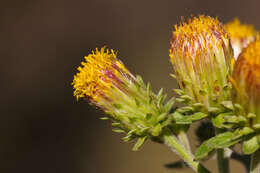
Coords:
pixel 43 129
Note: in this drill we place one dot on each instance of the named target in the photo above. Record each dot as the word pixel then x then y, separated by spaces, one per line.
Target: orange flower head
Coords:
pixel 201 53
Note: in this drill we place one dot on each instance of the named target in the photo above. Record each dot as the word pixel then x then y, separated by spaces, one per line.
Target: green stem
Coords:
pixel 222 158
pixel 255 162
pixel 176 146
pixel 182 136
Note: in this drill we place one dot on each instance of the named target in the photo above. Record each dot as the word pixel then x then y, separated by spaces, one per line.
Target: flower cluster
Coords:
pixel 217 68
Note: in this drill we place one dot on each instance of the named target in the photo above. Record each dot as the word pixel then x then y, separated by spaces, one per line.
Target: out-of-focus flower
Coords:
pixel 240 34
pixel 246 82
pixel 107 84
pixel 201 53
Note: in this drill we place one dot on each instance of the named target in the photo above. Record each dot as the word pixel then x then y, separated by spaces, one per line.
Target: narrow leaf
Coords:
pixel 250 145
pixel 139 143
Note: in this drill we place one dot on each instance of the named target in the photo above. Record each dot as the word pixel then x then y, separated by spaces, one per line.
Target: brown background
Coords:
pixel 43 128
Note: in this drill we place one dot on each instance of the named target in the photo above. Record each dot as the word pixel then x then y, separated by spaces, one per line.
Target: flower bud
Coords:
pixel 246 82
pixel 107 84
pixel 201 53
pixel 240 34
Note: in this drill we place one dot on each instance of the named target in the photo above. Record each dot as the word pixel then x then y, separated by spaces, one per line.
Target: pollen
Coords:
pixel 238 30
pixel 92 80
pixel 201 24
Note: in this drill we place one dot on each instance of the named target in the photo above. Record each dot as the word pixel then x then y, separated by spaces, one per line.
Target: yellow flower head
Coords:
pixel 240 34
pixel 200 52
pixel 246 80
pixel 98 74
pixel 106 83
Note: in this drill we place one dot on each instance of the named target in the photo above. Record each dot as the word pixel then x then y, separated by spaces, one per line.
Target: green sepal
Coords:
pixel 157 130
pixel 148 116
pixel 173 76
pixel 186 109
pixel 198 105
pixel 104 118
pixel 161 100
pixel 169 105
pixel 117 106
pixel 160 94
pixel 251 115
pixel 162 116
pixel 140 81
pixel 250 145
pixel 188 119
pixel 137 102
pixel 221 120
pixel 256 126
pixel 143 131
pixel 213 110
pixel 228 105
pixel 148 89
pixel 178 91
pixel 128 138
pixel 116 124
pixel 118 130
pixel 180 100
pixel 186 97
pixel 139 143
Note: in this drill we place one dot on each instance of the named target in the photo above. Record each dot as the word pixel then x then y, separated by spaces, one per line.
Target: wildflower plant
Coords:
pixel 217 68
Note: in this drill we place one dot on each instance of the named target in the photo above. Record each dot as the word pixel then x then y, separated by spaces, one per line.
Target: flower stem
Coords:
pixel 222 158
pixel 182 136
pixel 186 155
pixel 255 162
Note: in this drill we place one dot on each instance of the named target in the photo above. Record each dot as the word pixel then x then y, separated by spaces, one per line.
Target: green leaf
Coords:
pixel 139 143
pixel 250 145
pixel 222 140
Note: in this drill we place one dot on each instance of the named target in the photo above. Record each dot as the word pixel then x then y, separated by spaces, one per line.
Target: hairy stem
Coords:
pixel 255 162
pixel 222 158
pixel 186 155
pixel 182 136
